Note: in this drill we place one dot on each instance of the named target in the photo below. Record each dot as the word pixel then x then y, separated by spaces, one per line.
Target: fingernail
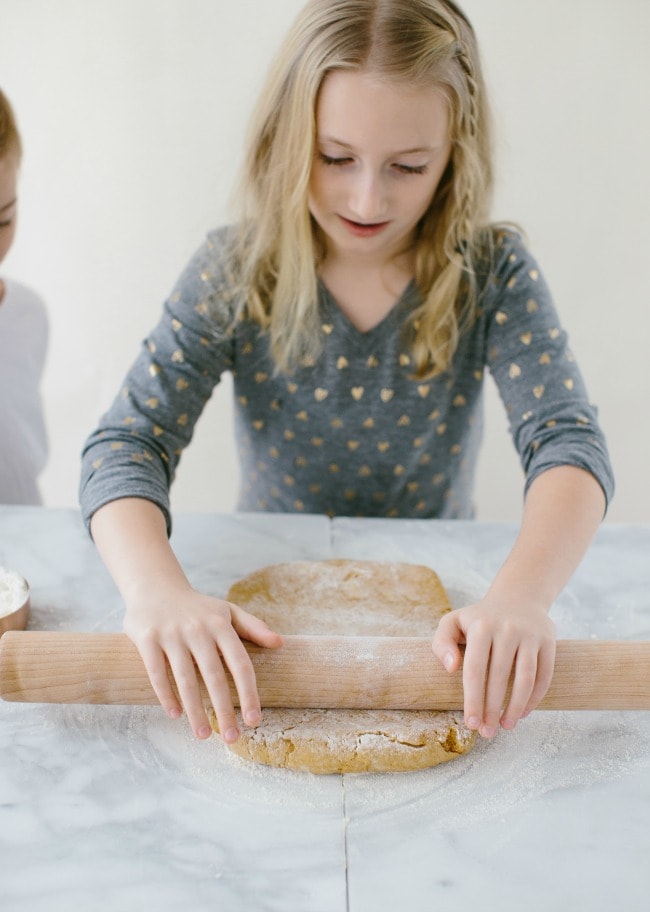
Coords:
pixel 231 735
pixel 175 713
pixel 205 732
pixel 253 717
pixel 449 661
pixel 473 722
pixel 508 724
pixel 487 731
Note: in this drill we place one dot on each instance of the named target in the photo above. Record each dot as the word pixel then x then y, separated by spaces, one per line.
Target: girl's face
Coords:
pixel 8 203
pixel 381 150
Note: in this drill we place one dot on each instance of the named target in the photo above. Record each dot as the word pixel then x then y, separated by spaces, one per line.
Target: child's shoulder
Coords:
pixel 501 253
pixel 207 287
pixel 221 248
pixel 24 321
pixel 221 240
pixel 23 302
pixel 499 244
pixel 212 262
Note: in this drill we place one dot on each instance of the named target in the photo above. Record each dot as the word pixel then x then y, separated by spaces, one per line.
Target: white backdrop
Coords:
pixel 133 114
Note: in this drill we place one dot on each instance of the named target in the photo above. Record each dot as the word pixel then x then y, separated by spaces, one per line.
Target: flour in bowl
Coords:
pixel 13 591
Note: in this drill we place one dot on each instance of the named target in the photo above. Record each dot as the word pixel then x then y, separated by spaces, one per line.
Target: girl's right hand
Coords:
pixel 194 634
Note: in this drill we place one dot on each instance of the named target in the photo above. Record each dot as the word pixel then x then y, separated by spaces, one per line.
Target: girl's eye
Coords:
pixel 329 160
pixel 6 224
pixel 412 169
pixel 346 160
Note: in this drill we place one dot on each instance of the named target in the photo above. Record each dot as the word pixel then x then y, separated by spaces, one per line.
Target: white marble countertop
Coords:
pixel 119 809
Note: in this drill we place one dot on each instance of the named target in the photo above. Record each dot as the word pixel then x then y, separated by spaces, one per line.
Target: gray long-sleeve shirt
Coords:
pixel 353 434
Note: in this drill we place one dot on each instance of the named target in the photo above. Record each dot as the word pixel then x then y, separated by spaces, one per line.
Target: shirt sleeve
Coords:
pixel 135 450
pixel 551 419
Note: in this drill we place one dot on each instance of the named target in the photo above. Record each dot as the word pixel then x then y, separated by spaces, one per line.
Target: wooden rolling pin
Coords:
pixel 315 671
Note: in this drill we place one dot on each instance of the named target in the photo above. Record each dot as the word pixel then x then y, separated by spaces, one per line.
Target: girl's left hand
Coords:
pixel 498 640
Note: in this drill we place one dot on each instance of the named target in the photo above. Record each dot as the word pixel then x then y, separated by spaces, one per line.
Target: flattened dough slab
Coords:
pixel 353 598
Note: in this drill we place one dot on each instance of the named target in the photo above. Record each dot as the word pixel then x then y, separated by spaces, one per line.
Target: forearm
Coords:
pixel 131 537
pixel 563 510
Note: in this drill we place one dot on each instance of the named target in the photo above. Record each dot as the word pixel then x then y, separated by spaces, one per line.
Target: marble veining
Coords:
pixel 118 808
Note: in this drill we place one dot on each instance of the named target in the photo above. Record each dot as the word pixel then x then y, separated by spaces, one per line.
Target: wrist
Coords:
pixel 155 587
pixel 518 600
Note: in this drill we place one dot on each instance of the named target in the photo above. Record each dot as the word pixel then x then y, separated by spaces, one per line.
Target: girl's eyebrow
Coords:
pixel 344 145
pixel 9 205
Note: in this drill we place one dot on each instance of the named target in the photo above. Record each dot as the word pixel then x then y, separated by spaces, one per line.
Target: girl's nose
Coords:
pixel 367 198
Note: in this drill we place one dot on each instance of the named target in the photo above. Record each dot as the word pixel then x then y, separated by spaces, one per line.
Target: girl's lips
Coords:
pixel 360 230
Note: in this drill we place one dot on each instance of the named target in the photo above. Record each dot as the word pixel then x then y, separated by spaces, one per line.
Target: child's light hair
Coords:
pixel 427 43
pixel 10 142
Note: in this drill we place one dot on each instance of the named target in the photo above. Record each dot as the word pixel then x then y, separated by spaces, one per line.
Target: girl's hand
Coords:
pixel 498 640
pixel 193 632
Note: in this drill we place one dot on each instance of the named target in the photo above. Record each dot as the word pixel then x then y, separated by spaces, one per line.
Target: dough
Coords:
pixel 354 598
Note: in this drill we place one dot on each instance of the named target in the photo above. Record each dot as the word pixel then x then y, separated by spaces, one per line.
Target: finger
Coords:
pixel 545 668
pixel 502 659
pixel 184 672
pixel 445 642
pixel 216 682
pixel 156 666
pixel 241 668
pixel 253 629
pixel 233 654
pixel 477 655
pixel 523 684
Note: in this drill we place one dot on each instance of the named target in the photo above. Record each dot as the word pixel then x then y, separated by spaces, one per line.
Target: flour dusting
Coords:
pixel 210 768
pixel 546 752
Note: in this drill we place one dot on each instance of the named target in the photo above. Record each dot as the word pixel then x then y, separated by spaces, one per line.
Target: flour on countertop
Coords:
pixel 13 591
pixel 548 751
pixel 218 774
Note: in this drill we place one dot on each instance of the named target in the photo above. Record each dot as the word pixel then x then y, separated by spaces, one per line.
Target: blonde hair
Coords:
pixel 427 43
pixel 10 142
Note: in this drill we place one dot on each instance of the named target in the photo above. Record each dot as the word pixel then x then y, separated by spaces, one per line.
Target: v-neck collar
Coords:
pixel 396 315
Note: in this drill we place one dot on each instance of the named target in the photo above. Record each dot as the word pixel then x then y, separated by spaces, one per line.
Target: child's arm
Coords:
pixel 169 621
pixel 510 628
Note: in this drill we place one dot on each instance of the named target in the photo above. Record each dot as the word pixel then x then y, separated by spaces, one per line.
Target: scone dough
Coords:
pixel 354 740
pixel 354 598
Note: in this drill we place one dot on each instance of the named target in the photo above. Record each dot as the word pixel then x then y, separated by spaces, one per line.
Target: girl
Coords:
pixel 357 303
